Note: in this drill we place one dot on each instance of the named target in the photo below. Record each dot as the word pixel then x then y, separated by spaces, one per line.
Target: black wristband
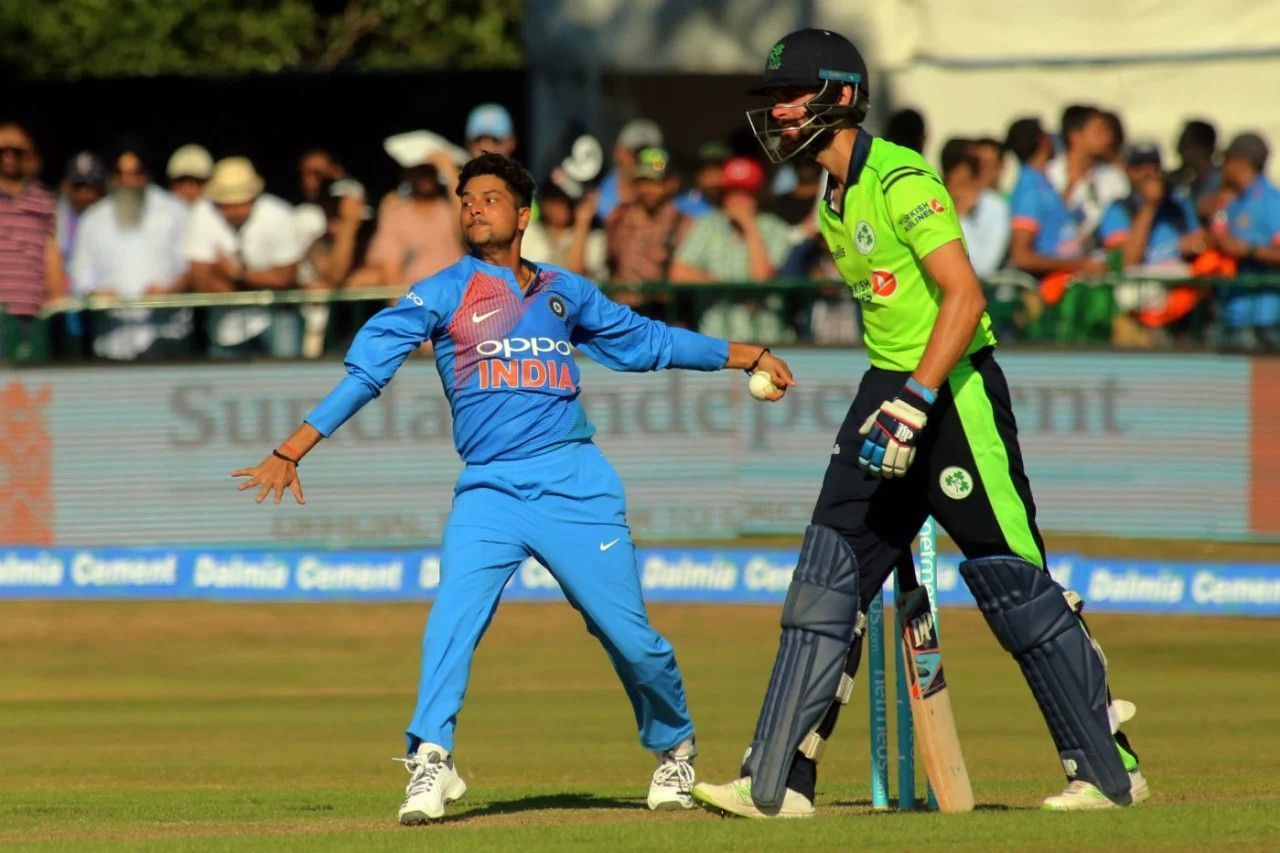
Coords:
pixel 277 454
pixel 756 363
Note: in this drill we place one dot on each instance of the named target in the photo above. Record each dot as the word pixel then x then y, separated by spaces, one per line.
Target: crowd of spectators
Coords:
pixel 1049 211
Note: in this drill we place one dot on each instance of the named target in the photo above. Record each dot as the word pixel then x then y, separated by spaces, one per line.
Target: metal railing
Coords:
pixel 1106 310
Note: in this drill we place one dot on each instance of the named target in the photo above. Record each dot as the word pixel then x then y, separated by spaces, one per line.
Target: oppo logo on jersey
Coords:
pixel 508 347
pixel 507 372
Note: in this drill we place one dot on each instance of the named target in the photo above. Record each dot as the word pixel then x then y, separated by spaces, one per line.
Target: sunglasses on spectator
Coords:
pixel 178 179
pixel 15 150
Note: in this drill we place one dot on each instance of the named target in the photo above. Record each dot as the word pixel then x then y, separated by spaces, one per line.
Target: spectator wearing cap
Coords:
pixel 188 170
pixel 241 238
pixel 1152 227
pixel 31 270
pixel 418 234
pixel 1157 230
pixel 1082 175
pixel 704 196
pixel 616 186
pixel 1249 231
pixel 984 215
pixel 130 246
pixel 337 257
pixel 83 183
pixel 1198 176
pixel 643 233
pixel 737 244
pixel 336 260
pixel 490 128
pixel 565 234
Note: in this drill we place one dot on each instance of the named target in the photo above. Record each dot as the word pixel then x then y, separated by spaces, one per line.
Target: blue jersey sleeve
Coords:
pixel 379 349
pixel 1273 220
pixel 1024 207
pixel 621 339
pixel 1114 225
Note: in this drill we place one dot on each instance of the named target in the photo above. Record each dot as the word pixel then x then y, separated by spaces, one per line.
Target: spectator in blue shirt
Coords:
pixel 1197 177
pixel 617 187
pixel 1152 226
pixel 1250 232
pixel 1045 238
pixel 704 196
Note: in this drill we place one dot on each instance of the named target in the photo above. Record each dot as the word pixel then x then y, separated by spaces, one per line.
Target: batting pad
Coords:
pixel 1030 616
pixel 819 620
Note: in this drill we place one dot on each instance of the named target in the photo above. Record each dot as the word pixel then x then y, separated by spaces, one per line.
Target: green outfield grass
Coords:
pixel 217 726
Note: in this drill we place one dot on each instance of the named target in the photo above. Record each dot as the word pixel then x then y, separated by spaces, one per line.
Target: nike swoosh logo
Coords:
pixel 605 546
pixel 480 318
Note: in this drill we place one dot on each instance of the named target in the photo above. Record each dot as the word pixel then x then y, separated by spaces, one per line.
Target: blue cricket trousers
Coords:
pixel 566 509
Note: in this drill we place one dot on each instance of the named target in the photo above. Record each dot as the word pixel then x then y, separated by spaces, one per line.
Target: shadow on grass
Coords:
pixel 920 807
pixel 571 801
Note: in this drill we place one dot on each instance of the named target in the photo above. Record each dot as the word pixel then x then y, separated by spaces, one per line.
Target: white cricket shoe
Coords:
pixel 672 783
pixel 433 783
pixel 1083 796
pixel 734 799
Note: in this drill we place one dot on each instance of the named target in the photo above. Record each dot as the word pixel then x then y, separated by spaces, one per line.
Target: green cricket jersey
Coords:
pixel 895 212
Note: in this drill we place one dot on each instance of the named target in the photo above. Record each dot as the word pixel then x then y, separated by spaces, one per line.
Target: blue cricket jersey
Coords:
pixel 505 356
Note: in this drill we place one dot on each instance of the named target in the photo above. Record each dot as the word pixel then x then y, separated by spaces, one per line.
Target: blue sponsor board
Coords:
pixel 695 575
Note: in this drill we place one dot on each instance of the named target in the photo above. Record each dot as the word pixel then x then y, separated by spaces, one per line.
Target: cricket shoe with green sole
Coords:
pixel 433 784
pixel 734 799
pixel 1084 796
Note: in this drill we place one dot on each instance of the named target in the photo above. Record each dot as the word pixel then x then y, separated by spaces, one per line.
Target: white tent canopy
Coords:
pixel 970 68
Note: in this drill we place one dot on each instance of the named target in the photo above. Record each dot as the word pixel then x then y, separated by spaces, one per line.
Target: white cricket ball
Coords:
pixel 761 385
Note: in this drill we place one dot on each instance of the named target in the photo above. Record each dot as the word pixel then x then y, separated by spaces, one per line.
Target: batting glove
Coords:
pixel 892 432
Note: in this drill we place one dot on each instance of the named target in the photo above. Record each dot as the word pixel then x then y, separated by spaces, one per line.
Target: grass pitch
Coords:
pixel 208 726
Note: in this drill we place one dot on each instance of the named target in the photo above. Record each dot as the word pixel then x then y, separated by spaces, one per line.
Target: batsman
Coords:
pixel 930 431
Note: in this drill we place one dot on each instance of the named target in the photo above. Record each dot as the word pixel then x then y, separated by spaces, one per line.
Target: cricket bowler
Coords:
pixel 534 484
pixel 931 431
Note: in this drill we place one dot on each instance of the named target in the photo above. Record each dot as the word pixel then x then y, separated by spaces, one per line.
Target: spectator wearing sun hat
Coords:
pixel 188 170
pixel 242 238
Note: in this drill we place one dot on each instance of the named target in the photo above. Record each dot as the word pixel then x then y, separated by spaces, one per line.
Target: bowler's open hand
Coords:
pixel 272 474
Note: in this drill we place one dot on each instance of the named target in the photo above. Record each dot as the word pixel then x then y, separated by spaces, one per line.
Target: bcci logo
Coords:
pixel 956 483
pixel 864 238
pixel 775 57
pixel 556 304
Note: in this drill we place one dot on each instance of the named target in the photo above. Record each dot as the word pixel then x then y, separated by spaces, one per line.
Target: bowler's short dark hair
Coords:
pixel 514 175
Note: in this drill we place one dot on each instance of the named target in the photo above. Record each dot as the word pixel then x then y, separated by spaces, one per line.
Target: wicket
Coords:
pixel 878 692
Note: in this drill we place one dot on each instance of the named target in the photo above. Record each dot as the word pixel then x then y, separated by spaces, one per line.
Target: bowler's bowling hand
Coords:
pixel 272 474
pixel 779 374
pixel 891 432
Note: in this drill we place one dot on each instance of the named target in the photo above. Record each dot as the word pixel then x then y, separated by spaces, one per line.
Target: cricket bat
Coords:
pixel 935 725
